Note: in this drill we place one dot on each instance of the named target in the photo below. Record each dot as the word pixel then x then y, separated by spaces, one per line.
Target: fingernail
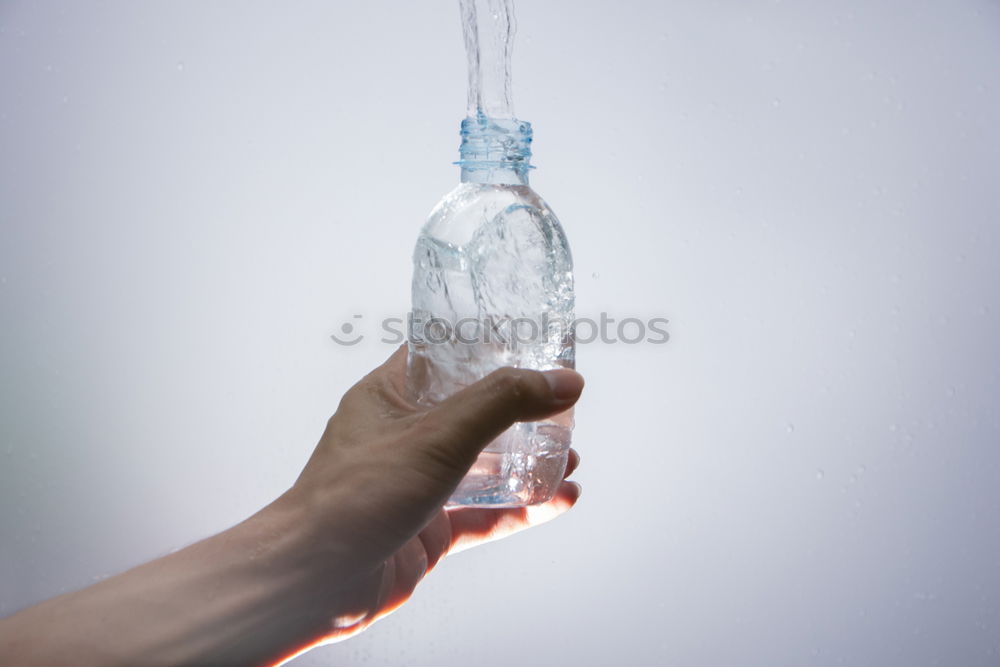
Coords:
pixel 564 383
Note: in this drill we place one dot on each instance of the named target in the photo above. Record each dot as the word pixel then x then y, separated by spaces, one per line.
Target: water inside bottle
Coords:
pixel 503 298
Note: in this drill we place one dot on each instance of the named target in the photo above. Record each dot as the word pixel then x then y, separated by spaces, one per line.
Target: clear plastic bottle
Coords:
pixel 493 287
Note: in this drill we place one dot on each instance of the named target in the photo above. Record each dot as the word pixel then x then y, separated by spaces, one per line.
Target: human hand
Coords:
pixel 342 548
pixel 383 469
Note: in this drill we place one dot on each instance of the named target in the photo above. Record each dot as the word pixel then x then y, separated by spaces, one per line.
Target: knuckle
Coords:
pixel 351 397
pixel 512 383
pixel 426 427
pixel 431 437
pixel 444 463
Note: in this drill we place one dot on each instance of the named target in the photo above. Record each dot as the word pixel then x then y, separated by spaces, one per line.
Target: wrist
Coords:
pixel 303 542
pixel 291 581
pixel 315 529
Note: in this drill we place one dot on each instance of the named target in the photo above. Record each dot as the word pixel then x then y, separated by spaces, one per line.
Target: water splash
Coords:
pixel 488 27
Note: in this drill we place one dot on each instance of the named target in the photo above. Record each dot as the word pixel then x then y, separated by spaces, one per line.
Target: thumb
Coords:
pixel 467 421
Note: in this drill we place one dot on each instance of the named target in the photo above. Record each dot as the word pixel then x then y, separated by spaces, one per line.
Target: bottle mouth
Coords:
pixel 495 143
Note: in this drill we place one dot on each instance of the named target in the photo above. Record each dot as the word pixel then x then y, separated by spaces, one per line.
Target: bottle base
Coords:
pixel 510 479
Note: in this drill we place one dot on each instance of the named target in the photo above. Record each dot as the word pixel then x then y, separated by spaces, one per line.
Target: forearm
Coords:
pixel 250 595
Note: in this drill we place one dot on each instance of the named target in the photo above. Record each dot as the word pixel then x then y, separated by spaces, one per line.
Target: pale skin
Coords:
pixel 344 546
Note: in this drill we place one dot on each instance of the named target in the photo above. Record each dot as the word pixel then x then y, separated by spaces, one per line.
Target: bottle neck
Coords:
pixel 495 150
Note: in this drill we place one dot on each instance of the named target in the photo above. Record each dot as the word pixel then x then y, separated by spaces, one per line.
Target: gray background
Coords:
pixel 194 195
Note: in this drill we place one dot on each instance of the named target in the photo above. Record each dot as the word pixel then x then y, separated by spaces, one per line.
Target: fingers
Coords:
pixel 414 560
pixel 436 538
pixel 472 526
pixel 572 463
pixel 409 567
pixel 393 366
pixel 467 421
pixel 379 391
pixel 392 373
pixel 396 362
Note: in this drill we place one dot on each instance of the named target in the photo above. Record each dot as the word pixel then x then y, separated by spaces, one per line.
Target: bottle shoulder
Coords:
pixel 460 213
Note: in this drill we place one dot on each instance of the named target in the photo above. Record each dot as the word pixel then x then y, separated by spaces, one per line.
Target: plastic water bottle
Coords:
pixel 493 287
